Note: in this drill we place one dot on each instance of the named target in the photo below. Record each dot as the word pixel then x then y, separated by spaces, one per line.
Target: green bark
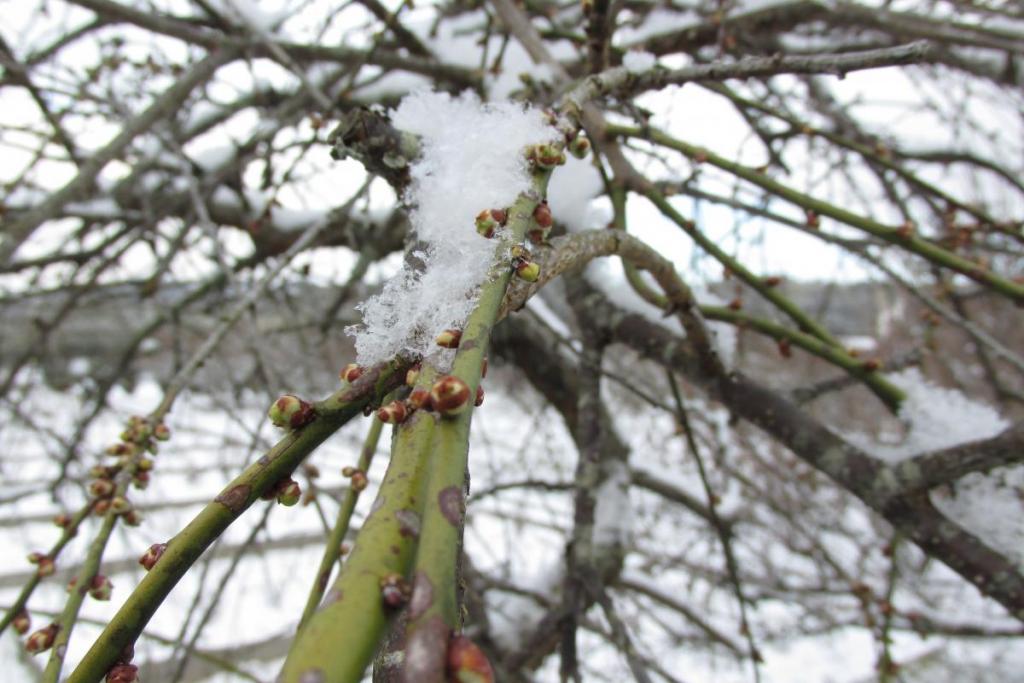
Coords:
pixel 189 544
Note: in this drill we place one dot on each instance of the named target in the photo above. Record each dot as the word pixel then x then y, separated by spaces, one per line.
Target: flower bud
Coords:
pixel 144 464
pixel 479 397
pixel 449 339
pixel 100 507
pixel 393 413
pixel 359 481
pixel 120 505
pixel 412 374
pixel 101 488
pixel 141 480
pixel 291 412
pixel 546 156
pixel 812 220
pixel 350 373
pixel 542 214
pixel 394 590
pixel 138 430
pixel 528 270
pixel 101 588
pixel 537 236
pixel 419 398
pixel 580 147
pixel 42 640
pixel 101 472
pixel 151 556
pixel 520 253
pixel 46 567
pixel 449 395
pixel 132 518
pixel 22 622
pixel 871 364
pixel 123 673
pixel 36 557
pixel 121 449
pixel 348 471
pixel 288 492
pixel 467 662
pixel 489 220
pixel 161 432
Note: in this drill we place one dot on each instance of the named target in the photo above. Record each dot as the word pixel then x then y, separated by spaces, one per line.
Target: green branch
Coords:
pixel 332 550
pixel 910 242
pixel 189 544
pixel 338 641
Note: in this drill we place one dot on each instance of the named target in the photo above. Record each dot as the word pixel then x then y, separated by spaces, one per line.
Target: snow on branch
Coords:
pixel 472 159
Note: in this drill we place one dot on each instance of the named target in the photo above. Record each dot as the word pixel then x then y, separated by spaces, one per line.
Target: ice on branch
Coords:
pixel 471 159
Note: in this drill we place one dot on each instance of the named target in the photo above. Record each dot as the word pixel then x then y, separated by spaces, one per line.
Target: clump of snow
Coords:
pixel 612 508
pixel 571 190
pixel 214 157
pixel 471 159
pixel 936 418
pixel 989 506
pixel 253 14
pixel 637 62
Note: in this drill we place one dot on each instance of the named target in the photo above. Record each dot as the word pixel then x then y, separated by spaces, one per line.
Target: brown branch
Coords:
pixel 929 470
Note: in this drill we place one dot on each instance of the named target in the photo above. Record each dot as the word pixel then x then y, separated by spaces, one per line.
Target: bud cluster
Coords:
pixel 100 588
pixel 140 436
pixel 489 220
pixel 358 477
pixel 545 156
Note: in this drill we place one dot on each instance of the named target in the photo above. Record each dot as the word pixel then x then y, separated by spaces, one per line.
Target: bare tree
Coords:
pixel 748 276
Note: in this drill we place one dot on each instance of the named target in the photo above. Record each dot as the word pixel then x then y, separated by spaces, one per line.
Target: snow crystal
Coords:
pixel 472 159
pixel 637 62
